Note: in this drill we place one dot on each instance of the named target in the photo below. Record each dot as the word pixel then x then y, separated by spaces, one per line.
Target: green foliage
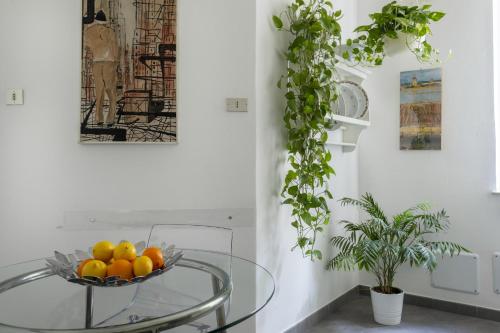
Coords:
pixel 391 22
pixel 381 246
pixel 311 90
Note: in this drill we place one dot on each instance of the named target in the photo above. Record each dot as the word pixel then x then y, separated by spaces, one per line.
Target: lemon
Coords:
pixel 103 251
pixel 95 268
pixel 125 250
pixel 143 266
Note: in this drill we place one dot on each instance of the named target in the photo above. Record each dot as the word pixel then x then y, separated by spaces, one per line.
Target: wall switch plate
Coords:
pixel 15 97
pixel 237 104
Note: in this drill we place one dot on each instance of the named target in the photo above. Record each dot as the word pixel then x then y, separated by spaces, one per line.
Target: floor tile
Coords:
pixel 356 316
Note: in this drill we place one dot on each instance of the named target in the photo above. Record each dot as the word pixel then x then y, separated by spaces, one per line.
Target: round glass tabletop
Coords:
pixel 205 292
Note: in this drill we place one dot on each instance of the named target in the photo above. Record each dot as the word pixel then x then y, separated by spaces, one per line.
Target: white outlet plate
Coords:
pixel 237 104
pixel 15 97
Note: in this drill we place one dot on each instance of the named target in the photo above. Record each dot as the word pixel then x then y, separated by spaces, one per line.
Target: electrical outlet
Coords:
pixel 15 97
pixel 237 104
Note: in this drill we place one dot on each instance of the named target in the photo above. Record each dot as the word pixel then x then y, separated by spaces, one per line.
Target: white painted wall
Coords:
pixel 303 287
pixel 45 172
pixel 461 176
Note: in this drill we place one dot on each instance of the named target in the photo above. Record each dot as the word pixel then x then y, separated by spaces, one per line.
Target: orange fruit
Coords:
pixel 125 250
pixel 156 257
pixel 122 268
pixel 103 251
pixel 80 267
pixel 143 266
pixel 95 268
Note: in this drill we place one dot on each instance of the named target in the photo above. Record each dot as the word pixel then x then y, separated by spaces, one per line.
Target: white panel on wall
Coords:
pixel 496 272
pixel 460 273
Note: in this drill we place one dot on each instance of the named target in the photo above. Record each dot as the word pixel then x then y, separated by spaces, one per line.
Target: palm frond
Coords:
pixel 368 204
pixel 342 262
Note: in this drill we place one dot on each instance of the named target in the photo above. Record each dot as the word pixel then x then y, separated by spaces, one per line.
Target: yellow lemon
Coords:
pixel 143 266
pixel 95 268
pixel 126 251
pixel 103 251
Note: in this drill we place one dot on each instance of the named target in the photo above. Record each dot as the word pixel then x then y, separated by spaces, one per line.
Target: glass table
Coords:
pixel 205 292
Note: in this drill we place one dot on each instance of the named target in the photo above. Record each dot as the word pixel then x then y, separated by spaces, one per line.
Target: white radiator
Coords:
pixel 460 273
pixel 496 272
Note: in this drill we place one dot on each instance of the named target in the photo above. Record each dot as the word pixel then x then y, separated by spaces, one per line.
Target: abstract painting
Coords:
pixel 128 83
pixel 420 110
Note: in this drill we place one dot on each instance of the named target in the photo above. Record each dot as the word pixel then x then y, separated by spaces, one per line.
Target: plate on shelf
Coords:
pixel 66 267
pixel 352 101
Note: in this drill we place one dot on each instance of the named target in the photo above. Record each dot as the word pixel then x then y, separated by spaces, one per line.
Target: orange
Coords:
pixel 80 267
pixel 95 268
pixel 156 257
pixel 125 250
pixel 122 268
pixel 103 251
pixel 143 266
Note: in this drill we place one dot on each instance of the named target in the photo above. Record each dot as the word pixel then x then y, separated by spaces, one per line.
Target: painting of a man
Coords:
pixel 102 43
pixel 129 72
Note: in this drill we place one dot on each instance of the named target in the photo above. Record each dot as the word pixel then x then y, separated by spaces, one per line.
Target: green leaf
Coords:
pixel 278 23
pixel 293 190
pixel 436 16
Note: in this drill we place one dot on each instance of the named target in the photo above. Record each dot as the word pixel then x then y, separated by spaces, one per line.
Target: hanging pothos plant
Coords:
pixel 395 21
pixel 311 92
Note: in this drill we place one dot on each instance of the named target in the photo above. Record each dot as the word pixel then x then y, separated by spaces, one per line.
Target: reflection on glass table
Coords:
pixel 208 291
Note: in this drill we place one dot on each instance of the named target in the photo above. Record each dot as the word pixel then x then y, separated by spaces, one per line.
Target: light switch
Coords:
pixel 15 97
pixel 237 104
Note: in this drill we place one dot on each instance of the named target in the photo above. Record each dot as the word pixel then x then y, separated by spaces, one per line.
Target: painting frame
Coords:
pixel 151 93
pixel 421 109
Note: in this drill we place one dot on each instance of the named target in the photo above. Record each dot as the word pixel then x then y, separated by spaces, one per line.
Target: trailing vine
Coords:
pixel 311 93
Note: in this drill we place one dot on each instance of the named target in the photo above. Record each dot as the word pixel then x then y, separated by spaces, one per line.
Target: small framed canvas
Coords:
pixel 420 110
pixel 129 80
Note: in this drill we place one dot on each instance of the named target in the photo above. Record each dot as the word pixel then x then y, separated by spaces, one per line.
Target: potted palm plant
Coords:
pixel 380 246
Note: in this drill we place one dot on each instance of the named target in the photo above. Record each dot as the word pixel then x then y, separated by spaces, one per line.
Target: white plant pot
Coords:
pixel 387 308
pixel 394 47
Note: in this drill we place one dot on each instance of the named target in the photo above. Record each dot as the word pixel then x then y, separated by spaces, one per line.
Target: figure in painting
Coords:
pixel 101 41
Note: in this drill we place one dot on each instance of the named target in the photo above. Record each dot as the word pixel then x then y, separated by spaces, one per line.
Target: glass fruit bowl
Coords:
pixel 66 266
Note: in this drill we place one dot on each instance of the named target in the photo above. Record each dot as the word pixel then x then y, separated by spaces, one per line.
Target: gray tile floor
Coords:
pixel 356 316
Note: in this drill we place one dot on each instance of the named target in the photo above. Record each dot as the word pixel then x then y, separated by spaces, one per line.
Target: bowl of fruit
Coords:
pixel 107 265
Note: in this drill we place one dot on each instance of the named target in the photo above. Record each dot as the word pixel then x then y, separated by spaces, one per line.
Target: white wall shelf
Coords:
pixel 348 71
pixel 347 130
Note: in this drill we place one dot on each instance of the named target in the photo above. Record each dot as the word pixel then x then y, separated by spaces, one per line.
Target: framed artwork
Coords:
pixel 128 84
pixel 420 110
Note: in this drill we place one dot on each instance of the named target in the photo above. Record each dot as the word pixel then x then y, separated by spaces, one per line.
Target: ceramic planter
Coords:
pixel 396 46
pixel 387 308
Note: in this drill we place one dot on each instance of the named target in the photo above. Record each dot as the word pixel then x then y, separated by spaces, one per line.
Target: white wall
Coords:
pixel 461 176
pixel 302 286
pixel 45 172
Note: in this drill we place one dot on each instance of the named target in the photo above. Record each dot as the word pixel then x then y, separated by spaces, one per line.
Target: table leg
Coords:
pixel 89 308
pixel 220 312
